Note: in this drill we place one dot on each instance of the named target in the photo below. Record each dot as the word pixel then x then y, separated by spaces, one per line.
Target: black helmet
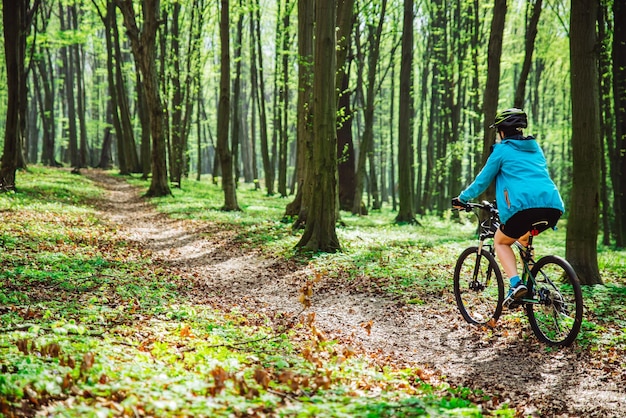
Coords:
pixel 510 118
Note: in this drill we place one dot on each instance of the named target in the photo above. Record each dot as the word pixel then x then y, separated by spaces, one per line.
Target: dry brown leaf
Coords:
pixel 262 377
pixel 185 332
pixel 367 326
pixel 219 376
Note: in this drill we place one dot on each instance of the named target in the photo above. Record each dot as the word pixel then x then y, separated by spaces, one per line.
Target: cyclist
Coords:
pixel 525 193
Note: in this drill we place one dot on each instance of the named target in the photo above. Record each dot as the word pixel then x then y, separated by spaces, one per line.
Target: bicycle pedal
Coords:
pixel 512 304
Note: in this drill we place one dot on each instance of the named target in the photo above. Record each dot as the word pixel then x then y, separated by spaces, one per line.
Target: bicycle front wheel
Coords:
pixel 557 314
pixel 478 286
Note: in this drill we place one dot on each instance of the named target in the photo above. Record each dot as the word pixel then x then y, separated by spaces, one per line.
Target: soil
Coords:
pixel 507 363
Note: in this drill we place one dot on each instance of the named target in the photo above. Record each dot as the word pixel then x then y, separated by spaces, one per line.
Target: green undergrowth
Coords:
pixel 90 326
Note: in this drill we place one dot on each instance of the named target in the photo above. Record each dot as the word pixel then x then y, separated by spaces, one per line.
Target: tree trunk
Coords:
pixel 531 34
pixel 259 95
pixel 618 153
pixel 223 114
pixel 177 150
pixel 127 151
pixel 304 107
pixel 46 74
pixel 367 143
pixel 237 133
pixel 606 118
pixel 105 153
pixel 283 139
pixel 109 21
pixel 405 120
pixel 320 233
pixel 16 24
pixel 144 48
pixel 68 89
pixel 490 98
pixel 582 226
pixel 345 149
pixel 76 54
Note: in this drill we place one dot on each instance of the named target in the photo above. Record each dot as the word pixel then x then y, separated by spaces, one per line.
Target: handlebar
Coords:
pixel 469 206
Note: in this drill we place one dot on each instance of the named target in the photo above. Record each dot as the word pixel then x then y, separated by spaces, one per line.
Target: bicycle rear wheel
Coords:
pixel 557 316
pixel 478 286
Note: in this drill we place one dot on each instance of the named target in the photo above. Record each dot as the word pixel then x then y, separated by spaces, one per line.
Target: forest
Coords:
pixel 241 208
pixel 336 106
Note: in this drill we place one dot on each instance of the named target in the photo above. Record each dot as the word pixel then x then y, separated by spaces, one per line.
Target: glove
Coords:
pixel 456 203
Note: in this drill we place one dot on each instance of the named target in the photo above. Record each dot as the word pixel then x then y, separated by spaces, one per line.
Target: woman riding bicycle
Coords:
pixel 525 193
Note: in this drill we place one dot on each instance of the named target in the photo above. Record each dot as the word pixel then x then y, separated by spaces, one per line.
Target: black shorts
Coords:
pixel 537 218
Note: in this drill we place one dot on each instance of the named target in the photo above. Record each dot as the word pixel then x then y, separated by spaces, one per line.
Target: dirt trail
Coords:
pixel 522 372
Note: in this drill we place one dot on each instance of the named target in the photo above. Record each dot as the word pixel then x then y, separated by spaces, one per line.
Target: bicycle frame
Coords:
pixel 526 256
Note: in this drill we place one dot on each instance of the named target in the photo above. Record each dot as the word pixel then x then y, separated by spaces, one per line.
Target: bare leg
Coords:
pixel 524 239
pixel 505 253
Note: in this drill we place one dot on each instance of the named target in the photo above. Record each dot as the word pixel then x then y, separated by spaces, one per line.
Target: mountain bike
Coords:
pixel 553 303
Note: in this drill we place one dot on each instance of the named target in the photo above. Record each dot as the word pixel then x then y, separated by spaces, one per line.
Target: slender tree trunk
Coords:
pixel 237 95
pixel 105 153
pixel 606 119
pixel 304 108
pixel 582 226
pixel 405 119
pixel 68 89
pixel 284 101
pixel 268 168
pixel 177 149
pixel 367 143
pixel 128 160
pixel 345 149
pixel 618 153
pixel 531 34
pixel 76 55
pixel 223 114
pixel 490 98
pixel 46 75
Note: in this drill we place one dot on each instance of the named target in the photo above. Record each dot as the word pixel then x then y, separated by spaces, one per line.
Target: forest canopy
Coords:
pixel 138 85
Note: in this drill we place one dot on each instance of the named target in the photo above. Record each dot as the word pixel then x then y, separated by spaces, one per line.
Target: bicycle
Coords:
pixel 553 303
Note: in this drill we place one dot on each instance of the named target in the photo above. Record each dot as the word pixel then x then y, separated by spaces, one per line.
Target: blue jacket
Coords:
pixel 522 179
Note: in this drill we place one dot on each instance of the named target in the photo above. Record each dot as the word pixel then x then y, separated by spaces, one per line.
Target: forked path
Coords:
pixel 511 365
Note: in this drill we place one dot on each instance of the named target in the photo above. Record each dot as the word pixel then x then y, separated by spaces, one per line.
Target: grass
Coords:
pixel 90 325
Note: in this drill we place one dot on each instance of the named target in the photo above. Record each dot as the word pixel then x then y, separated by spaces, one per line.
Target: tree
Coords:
pixel 143 42
pixel 17 19
pixel 492 86
pixel 531 34
pixel 406 213
pixel 367 142
pixel 43 75
pixel 583 221
pixel 618 153
pixel 304 107
pixel 259 94
pixel 223 114
pixel 320 233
